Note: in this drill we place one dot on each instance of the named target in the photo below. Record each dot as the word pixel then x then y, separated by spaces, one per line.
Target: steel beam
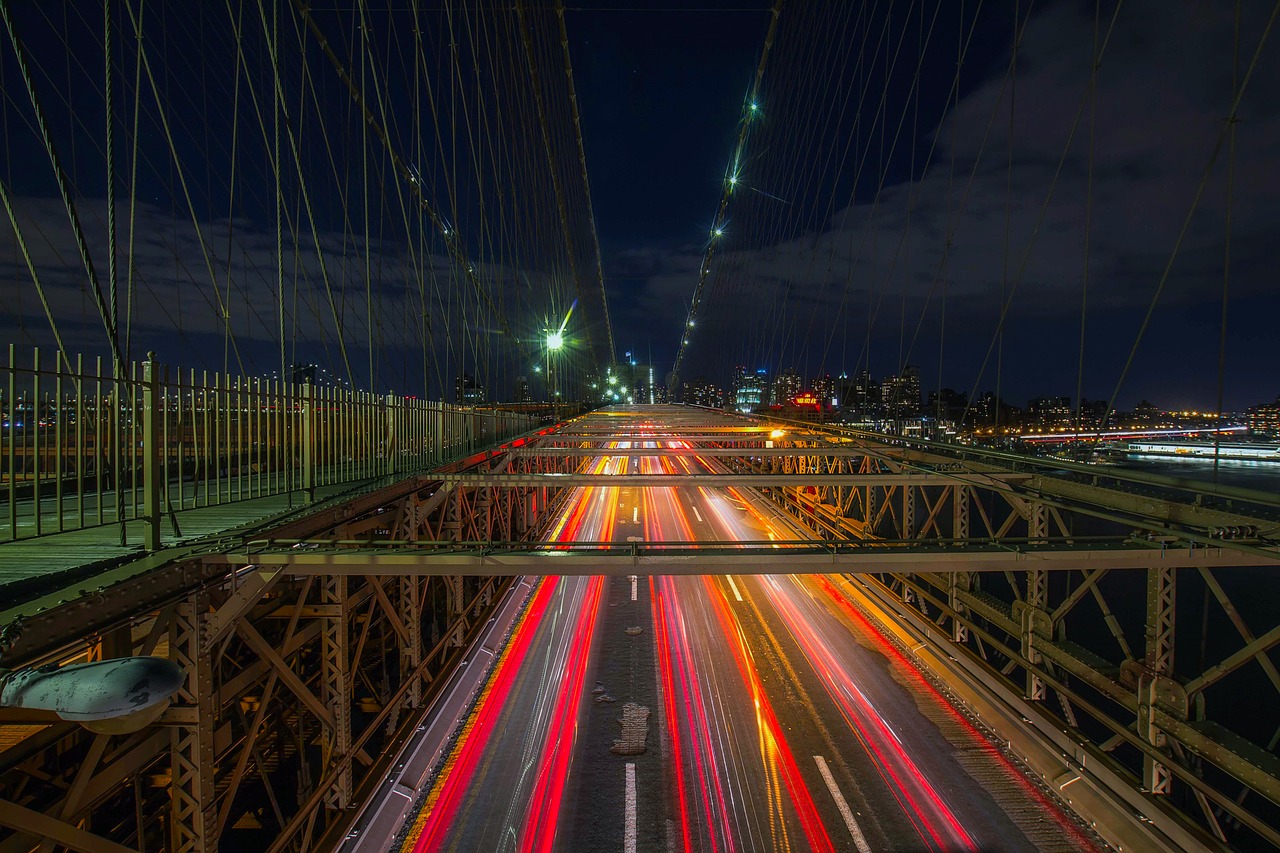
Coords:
pixel 335 674
pixel 193 826
pixel 714 480
pixel 833 451
pixel 648 558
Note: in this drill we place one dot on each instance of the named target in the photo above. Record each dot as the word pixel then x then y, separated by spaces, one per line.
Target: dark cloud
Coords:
pixel 212 288
pixel 1164 90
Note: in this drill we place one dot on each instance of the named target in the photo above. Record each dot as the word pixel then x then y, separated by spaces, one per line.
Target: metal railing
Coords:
pixel 81 447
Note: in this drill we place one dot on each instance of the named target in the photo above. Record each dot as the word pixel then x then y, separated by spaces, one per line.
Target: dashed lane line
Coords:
pixel 629 819
pixel 859 840
pixel 734 587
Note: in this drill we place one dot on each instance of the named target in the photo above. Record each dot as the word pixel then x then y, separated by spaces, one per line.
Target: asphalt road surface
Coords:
pixel 779 717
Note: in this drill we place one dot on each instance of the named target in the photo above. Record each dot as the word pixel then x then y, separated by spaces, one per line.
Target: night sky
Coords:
pixel 662 93
pixel 878 224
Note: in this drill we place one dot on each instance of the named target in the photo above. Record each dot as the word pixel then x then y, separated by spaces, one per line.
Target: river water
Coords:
pixel 1261 476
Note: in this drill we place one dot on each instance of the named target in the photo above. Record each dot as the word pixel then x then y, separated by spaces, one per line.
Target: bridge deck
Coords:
pixel 40 565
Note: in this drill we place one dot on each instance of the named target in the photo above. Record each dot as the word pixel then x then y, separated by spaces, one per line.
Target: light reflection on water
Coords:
pixel 1249 474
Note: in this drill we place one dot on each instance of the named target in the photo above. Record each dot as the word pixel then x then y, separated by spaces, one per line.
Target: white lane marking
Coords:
pixel 633 587
pixel 635 515
pixel 734 587
pixel 698 514
pixel 629 822
pixel 859 840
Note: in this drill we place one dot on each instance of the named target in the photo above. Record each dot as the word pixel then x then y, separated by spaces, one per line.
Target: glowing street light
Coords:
pixel 555 340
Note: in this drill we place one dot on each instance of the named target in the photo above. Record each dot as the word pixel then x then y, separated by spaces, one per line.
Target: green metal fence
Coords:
pixel 81 448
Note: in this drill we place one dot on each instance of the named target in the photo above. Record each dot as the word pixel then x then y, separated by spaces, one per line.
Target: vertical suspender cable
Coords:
pixel 274 35
pixel 1088 214
pixel 1232 120
pixel 182 180
pixel 364 171
pixel 1008 209
pixel 294 149
pixel 722 210
pixel 113 305
pixel 951 177
pixel 133 190
pixel 1044 206
pixel 557 186
pixel 586 184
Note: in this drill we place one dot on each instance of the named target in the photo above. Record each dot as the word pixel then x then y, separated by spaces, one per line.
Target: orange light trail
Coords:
pixel 814 830
pixel 932 818
pixel 890 651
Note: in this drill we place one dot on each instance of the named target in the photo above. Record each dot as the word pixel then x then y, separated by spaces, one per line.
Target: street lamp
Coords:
pixel 554 343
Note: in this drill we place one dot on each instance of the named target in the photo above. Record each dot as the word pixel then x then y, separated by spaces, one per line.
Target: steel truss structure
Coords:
pixel 1067 581
pixel 1091 646
pixel 998 554
pixel 312 647
pixel 296 685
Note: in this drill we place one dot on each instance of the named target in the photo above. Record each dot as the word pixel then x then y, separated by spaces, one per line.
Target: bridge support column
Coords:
pixel 193 824
pixel 307 439
pixel 152 451
pixel 410 601
pixel 391 445
pixel 435 435
pixel 908 512
pixel 1157 677
pixel 958 585
pixel 959 512
pixel 455 598
pixel 1037 602
pixel 335 655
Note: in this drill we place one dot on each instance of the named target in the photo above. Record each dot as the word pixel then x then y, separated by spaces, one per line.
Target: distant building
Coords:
pixel 900 395
pixel 786 385
pixel 865 396
pixel 700 392
pixel 750 388
pixel 947 405
pixel 991 411
pixel 523 394
pixel 824 388
pixel 1093 413
pixel 1264 418
pixel 469 392
pixel 1050 413
pixel 1145 414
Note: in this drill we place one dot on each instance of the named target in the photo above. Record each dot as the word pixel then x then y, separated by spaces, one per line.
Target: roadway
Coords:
pixel 780 718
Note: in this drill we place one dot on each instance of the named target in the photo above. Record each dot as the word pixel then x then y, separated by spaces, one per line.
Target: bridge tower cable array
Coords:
pixel 751 109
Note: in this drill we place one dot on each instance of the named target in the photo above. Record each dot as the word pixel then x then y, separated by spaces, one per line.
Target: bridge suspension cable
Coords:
pixel 750 111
